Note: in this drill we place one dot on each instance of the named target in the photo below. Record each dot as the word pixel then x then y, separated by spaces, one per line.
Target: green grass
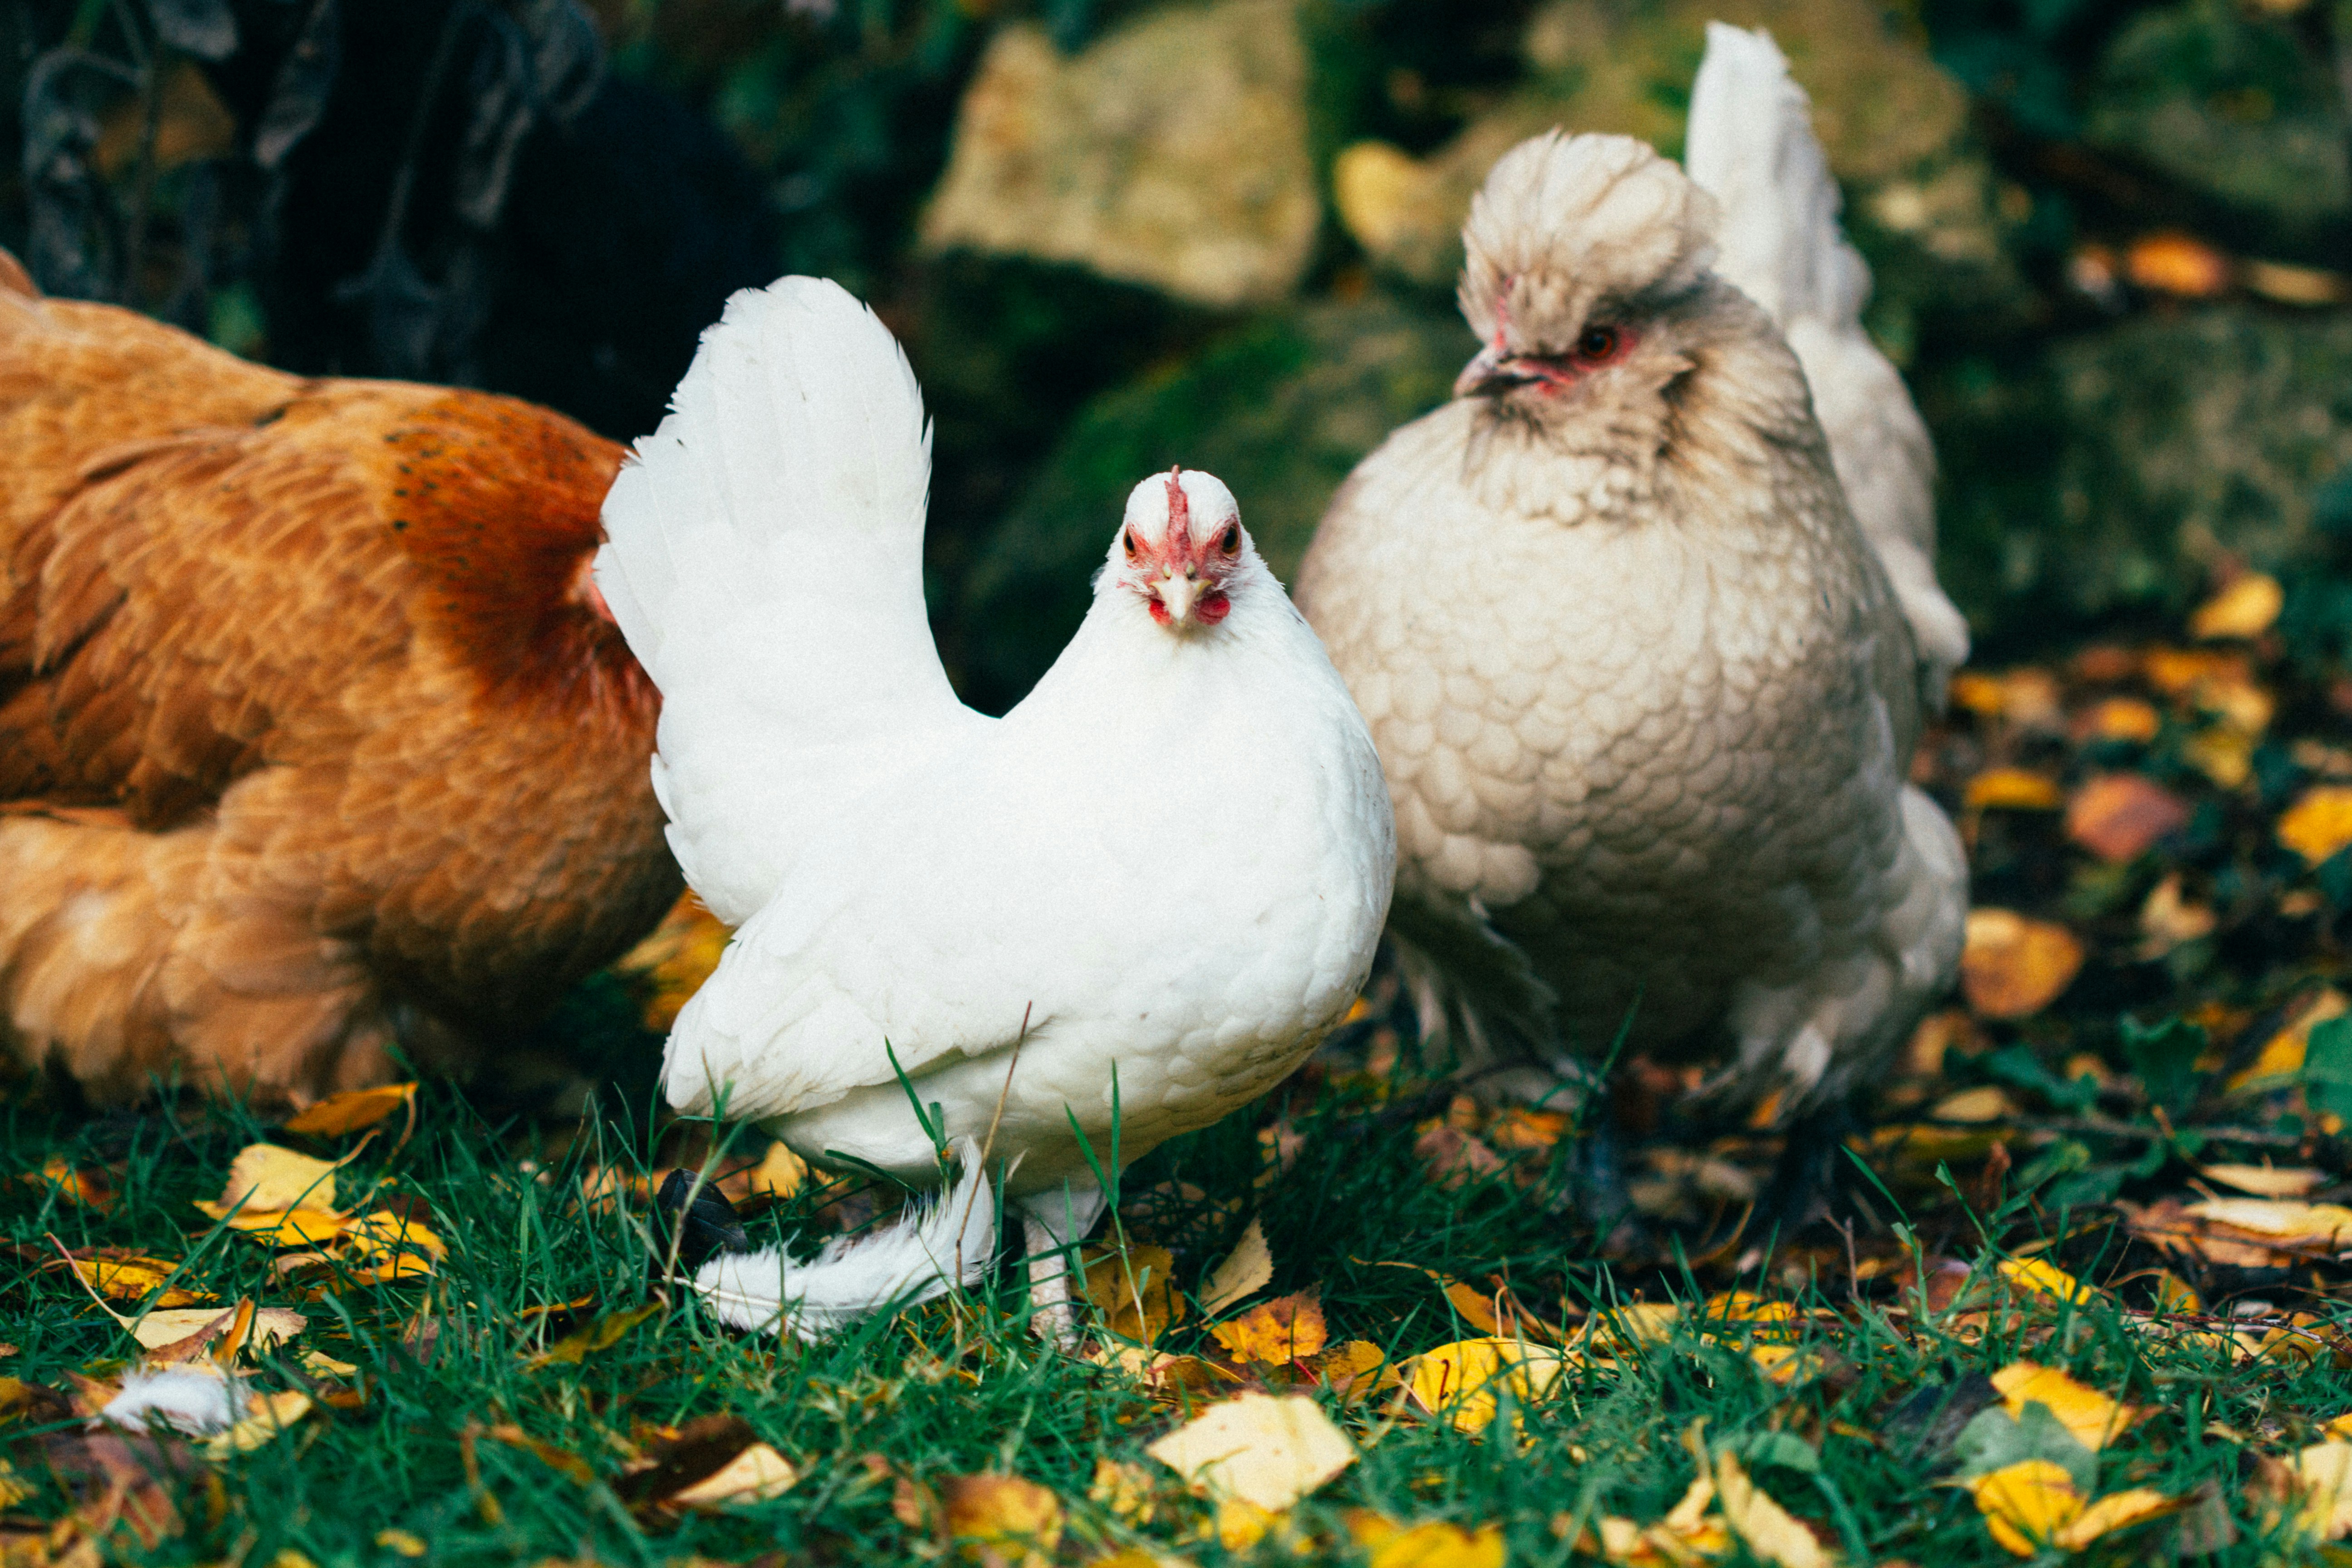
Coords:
pixel 959 1387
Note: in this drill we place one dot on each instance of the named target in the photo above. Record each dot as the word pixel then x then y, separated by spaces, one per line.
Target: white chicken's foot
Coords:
pixel 1051 1223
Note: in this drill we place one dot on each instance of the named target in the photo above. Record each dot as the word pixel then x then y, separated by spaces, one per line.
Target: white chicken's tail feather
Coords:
pixel 938 1243
pixel 764 560
pixel 1751 146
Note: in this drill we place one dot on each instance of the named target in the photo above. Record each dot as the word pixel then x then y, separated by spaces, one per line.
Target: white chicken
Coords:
pixel 1123 909
pixel 1644 692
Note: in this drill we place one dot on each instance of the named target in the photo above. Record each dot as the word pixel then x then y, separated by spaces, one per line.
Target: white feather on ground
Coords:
pixel 195 1400
pixel 1751 146
pixel 936 1245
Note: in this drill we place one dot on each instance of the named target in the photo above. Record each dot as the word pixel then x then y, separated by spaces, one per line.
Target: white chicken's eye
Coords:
pixel 1231 538
pixel 1128 539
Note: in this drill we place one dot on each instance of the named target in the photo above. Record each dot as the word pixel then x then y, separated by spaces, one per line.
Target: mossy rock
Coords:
pixel 2120 472
pixel 1280 409
pixel 2234 103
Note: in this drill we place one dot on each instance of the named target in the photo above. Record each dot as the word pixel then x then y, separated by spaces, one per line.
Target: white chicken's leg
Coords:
pixel 1051 1223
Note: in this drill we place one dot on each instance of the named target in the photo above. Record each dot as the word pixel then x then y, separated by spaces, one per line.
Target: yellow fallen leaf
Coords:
pixel 2174 263
pixel 2319 824
pixel 2026 1504
pixel 2117 1511
pixel 1248 1267
pixel 2012 967
pixel 2295 1224
pixel 755 1475
pixel 2012 789
pixel 1356 1370
pixel 1769 1530
pixel 1133 1288
pixel 131 1278
pixel 283 1227
pixel 1127 1490
pixel 1986 1103
pixel 270 1415
pixel 353 1109
pixel 1433 1543
pixel 2122 719
pixel 601 1334
pixel 2245 608
pixel 1785 1366
pixel 320 1364
pixel 1461 1382
pixel 13 1487
pixel 401 1543
pixel 382 1231
pixel 1278 1332
pixel 1242 1525
pixel 2282 1054
pixel 1266 1449
pixel 988 1514
pixel 677 959
pixel 2031 1274
pixel 265 1178
pixel 2322 1478
pixel 778 1175
pixel 1636 1323
pixel 2091 1417
pixel 2266 1181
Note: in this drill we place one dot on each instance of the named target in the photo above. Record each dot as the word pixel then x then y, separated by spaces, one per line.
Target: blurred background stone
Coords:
pixel 1172 152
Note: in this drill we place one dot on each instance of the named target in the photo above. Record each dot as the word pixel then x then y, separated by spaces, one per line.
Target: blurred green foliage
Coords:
pixel 2112 434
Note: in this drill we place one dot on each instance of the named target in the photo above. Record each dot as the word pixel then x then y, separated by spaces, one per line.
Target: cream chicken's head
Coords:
pixel 1587 277
pixel 1181 550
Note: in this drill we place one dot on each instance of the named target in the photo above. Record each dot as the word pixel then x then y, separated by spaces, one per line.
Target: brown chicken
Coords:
pixel 316 739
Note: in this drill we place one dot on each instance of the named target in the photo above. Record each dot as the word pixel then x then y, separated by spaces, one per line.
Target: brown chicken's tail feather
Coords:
pixel 15 280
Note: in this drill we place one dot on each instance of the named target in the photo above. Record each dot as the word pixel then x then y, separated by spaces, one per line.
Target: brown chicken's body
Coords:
pixel 313 737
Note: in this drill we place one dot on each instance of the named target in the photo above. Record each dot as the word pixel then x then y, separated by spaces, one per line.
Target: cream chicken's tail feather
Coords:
pixel 764 559
pixel 1751 146
pixel 938 1243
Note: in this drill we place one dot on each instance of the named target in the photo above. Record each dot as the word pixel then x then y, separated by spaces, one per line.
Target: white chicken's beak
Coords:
pixel 1179 594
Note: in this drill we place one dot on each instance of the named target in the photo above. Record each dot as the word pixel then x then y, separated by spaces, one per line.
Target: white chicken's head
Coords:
pixel 1181 550
pixel 1586 279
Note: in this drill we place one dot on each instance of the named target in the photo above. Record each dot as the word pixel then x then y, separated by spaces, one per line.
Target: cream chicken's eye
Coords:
pixel 1230 541
pixel 1133 549
pixel 1596 343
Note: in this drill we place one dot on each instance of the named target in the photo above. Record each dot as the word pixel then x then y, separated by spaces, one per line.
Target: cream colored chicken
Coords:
pixel 1641 689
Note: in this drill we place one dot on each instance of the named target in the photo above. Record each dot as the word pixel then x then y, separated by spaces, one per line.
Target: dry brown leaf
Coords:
pixel 2119 816
pixel 1266 1450
pixel 85 1188
pixel 2012 966
pixel 2166 920
pixel 349 1111
pixel 1454 1157
pixel 756 1475
pixel 1276 1332
pixel 178 1333
pixel 1248 1268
